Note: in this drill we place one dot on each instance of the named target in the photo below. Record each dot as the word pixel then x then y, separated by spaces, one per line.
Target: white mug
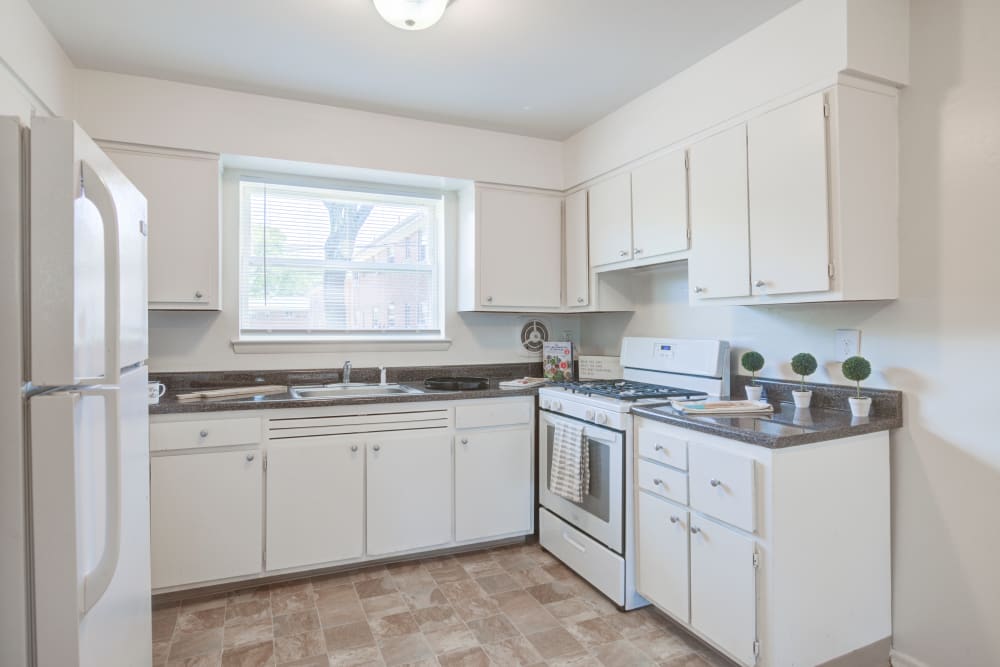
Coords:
pixel 155 390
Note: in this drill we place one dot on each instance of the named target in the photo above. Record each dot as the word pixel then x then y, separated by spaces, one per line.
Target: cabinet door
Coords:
pixel 205 516
pixel 789 209
pixel 315 501
pixel 660 207
pixel 520 249
pixel 577 260
pixel 723 587
pixel 719 264
pixel 182 191
pixel 409 492
pixel 611 221
pixel 493 483
pixel 662 573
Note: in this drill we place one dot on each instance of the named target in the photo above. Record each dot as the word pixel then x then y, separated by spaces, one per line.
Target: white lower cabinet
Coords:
pixel 315 501
pixel 723 587
pixel 493 483
pixel 662 573
pixel 205 512
pixel 409 492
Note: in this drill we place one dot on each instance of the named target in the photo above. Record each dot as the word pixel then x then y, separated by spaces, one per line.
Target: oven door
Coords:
pixel 601 513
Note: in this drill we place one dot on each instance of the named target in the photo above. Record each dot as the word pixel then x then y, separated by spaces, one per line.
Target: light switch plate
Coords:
pixel 848 343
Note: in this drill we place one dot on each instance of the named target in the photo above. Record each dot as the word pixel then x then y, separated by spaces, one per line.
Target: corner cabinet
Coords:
pixel 182 191
pixel 761 552
pixel 240 495
pixel 799 204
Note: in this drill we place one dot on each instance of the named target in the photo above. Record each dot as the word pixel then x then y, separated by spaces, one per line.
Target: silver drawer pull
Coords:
pixel 674 519
pixel 658 482
pixel 658 448
pixel 354 448
pixel 250 457
pixel 204 434
pixel 695 530
pixel 715 482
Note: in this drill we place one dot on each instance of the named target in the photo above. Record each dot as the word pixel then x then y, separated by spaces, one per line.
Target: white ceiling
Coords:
pixel 544 68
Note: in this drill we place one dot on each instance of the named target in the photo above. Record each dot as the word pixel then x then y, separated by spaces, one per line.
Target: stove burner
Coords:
pixel 627 390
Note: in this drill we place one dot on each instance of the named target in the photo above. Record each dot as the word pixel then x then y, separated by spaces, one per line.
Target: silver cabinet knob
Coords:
pixel 354 448
pixel 699 290
pixel 658 448
pixel 579 299
pixel 250 457
pixel 695 530
pixel 637 251
pixel 715 482
pixel 674 519
pixel 658 482
pixel 465 441
pixel 204 434
pixel 377 448
pixel 198 294
pixel 623 253
pixel 489 299
pixel 759 283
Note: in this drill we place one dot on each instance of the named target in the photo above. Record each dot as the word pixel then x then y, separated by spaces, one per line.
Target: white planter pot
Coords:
pixel 753 392
pixel 802 398
pixel 860 407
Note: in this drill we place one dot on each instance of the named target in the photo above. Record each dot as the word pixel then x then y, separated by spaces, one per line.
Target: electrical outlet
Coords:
pixel 847 343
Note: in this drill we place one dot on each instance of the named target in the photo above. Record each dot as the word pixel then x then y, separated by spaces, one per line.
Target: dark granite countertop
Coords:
pixel 789 426
pixel 179 383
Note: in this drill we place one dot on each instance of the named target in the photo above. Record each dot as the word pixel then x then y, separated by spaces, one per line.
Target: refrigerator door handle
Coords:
pixel 94 583
pixel 97 192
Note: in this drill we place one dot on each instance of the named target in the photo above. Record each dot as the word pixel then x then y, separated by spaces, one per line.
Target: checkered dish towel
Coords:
pixel 569 474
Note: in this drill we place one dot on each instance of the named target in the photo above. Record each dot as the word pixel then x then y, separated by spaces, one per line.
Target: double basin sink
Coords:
pixel 350 390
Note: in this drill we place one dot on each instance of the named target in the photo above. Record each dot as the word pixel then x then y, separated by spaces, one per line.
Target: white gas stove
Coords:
pixel 594 537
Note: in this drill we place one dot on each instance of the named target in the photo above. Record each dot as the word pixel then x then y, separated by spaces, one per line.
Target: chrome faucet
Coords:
pixel 346 374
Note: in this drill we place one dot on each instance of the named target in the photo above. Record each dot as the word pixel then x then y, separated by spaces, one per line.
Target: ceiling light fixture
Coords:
pixel 411 14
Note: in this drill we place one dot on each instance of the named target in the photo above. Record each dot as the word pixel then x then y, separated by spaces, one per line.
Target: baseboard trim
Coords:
pixel 897 659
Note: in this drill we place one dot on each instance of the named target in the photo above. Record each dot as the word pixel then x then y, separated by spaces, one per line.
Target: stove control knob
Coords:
pixel 556 405
pixel 589 414
pixel 602 418
pixel 545 404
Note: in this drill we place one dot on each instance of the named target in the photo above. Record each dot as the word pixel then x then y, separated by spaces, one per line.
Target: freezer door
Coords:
pixel 90 519
pixel 87 261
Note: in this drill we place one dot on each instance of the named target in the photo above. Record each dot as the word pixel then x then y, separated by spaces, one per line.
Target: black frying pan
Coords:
pixel 457 383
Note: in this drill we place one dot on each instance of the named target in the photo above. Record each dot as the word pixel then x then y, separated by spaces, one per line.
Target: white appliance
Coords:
pixel 595 537
pixel 73 410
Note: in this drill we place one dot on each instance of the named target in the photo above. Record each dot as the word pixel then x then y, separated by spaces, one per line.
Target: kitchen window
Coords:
pixel 323 262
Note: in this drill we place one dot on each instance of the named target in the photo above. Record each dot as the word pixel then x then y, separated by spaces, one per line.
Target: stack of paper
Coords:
pixel 722 407
pixel 522 383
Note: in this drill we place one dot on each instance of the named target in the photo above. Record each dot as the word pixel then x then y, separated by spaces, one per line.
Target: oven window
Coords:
pixel 598 501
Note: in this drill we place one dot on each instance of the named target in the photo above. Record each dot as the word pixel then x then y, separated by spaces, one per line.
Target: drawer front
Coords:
pixel 723 485
pixel 663 481
pixel 603 568
pixel 500 413
pixel 204 433
pixel 661 447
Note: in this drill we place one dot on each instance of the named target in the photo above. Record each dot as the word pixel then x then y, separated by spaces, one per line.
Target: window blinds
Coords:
pixel 325 262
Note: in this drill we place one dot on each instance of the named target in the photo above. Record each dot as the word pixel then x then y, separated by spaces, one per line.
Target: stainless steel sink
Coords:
pixel 351 390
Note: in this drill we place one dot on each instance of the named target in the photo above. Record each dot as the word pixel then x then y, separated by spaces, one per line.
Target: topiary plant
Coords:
pixel 753 362
pixel 856 369
pixel 803 364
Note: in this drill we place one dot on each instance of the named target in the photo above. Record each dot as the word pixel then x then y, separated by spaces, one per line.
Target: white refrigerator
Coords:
pixel 74 463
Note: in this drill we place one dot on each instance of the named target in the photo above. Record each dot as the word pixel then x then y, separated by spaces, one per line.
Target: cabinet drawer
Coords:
pixel 656 445
pixel 723 485
pixel 203 433
pixel 500 413
pixel 663 481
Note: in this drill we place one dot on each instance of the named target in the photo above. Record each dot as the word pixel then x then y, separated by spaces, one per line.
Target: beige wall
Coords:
pixel 35 74
pixel 937 343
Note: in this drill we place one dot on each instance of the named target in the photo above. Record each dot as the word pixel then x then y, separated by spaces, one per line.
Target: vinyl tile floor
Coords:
pixel 514 605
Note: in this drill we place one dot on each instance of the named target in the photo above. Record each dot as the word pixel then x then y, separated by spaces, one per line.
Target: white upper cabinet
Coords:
pixel 719 264
pixel 182 189
pixel 576 260
pixel 510 255
pixel 660 207
pixel 789 211
pixel 611 221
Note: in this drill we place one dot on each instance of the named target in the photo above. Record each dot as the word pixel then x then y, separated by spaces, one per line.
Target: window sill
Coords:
pixel 293 345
